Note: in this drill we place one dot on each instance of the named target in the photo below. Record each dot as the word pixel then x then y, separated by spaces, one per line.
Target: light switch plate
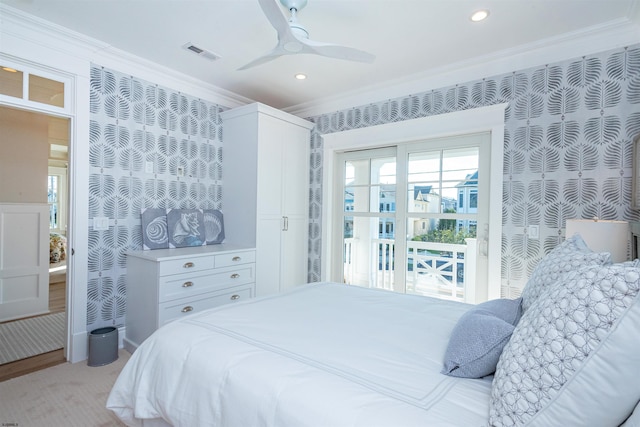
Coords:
pixel 533 232
pixel 148 167
pixel 100 223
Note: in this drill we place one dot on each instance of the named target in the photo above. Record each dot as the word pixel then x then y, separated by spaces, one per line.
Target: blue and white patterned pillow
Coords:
pixel 571 254
pixel 574 357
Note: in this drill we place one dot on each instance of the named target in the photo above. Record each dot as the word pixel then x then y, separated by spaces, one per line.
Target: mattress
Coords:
pixel 323 354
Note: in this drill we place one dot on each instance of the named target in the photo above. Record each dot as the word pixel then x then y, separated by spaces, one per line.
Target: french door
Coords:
pixel 414 216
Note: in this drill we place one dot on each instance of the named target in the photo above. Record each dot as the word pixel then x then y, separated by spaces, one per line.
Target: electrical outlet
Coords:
pixel 180 171
pixel 533 231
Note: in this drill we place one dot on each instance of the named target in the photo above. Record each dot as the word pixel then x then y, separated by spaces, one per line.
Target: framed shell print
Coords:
pixel 154 228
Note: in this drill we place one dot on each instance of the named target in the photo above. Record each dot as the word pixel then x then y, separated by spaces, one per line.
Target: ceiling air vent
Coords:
pixel 202 52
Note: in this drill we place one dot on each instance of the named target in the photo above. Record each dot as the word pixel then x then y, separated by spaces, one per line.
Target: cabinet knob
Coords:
pixel 187 284
pixel 235 275
pixel 236 258
pixel 235 297
pixel 187 309
pixel 188 265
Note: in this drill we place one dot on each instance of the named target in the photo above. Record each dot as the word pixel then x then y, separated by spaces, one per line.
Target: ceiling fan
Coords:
pixel 293 38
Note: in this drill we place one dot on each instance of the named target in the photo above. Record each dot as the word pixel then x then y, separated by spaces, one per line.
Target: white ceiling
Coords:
pixel 410 38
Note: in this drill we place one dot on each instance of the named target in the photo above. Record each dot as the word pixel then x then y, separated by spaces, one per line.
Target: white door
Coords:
pixel 24 260
pixel 412 216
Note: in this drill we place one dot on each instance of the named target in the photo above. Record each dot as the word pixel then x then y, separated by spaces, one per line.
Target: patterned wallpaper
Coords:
pixel 134 122
pixel 568 154
pixel 569 128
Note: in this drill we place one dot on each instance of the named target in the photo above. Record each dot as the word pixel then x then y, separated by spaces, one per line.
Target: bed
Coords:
pixel 329 354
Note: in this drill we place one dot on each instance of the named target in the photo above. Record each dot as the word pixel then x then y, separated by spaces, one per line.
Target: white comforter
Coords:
pixel 321 355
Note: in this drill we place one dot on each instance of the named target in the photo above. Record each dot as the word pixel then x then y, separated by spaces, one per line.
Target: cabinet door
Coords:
pixel 295 184
pixel 294 253
pixel 268 237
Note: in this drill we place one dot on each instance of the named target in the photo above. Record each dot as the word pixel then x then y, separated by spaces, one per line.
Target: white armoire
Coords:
pixel 266 191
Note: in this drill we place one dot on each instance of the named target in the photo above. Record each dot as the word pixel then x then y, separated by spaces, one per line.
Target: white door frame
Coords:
pixel 76 99
pixel 476 120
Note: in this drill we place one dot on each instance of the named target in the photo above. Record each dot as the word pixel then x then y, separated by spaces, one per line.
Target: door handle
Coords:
pixel 285 223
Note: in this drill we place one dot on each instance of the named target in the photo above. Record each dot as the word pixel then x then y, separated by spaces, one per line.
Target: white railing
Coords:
pixel 434 269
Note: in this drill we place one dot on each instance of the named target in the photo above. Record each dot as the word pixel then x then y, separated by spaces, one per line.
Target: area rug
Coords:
pixel 28 337
pixel 69 395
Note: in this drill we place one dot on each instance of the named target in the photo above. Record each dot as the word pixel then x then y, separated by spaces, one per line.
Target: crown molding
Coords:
pixel 25 27
pixel 615 34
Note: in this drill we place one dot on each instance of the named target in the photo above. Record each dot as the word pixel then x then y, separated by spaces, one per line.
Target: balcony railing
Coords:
pixel 433 269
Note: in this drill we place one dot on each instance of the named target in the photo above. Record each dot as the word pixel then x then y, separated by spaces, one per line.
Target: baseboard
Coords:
pixel 130 346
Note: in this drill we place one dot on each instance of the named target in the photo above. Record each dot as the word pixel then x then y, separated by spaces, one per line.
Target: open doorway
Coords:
pixel 34 159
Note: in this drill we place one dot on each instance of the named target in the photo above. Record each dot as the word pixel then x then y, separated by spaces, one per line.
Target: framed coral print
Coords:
pixel 186 227
pixel 635 192
pixel 154 228
pixel 213 226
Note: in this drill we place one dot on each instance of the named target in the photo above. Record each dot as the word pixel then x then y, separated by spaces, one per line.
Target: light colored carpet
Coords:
pixel 70 395
pixel 27 337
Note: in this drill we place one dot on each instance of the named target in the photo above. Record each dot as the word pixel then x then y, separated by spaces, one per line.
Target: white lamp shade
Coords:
pixel 603 236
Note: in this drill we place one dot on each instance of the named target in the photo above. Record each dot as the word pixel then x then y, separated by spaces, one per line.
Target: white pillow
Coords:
pixel 571 254
pixel 574 357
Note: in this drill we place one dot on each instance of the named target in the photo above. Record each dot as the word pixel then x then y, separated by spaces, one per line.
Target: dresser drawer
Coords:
pixel 173 310
pixel 186 265
pixel 185 285
pixel 227 260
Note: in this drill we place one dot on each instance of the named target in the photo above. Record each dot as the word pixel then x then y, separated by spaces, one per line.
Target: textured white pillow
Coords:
pixel 574 357
pixel 571 254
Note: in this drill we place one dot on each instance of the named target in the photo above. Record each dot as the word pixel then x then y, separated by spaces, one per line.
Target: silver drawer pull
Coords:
pixel 235 275
pixel 236 258
pixel 188 265
pixel 187 309
pixel 187 284
pixel 235 297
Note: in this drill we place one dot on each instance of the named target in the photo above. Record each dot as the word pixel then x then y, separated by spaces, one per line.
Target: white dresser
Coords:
pixel 166 284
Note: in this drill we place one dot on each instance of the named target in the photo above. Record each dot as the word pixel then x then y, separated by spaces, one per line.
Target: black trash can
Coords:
pixel 103 346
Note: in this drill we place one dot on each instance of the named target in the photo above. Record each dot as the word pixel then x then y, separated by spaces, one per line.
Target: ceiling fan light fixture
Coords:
pixel 479 15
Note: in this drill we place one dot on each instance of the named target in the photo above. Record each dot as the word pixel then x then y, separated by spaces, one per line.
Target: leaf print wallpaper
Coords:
pixel 567 150
pixel 567 154
pixel 134 122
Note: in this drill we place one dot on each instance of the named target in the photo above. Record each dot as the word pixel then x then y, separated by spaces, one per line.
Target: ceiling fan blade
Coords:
pixel 275 17
pixel 338 52
pixel 292 42
pixel 275 53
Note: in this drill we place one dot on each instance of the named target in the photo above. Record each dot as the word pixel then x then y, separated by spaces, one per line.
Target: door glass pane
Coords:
pixel 52 195
pixel 383 171
pixel 356 199
pixel 369 251
pixel 443 184
pixel 356 172
pixel 46 91
pixel 11 82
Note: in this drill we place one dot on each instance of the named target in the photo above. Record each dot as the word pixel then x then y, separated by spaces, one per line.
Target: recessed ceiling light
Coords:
pixel 479 15
pixel 301 76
